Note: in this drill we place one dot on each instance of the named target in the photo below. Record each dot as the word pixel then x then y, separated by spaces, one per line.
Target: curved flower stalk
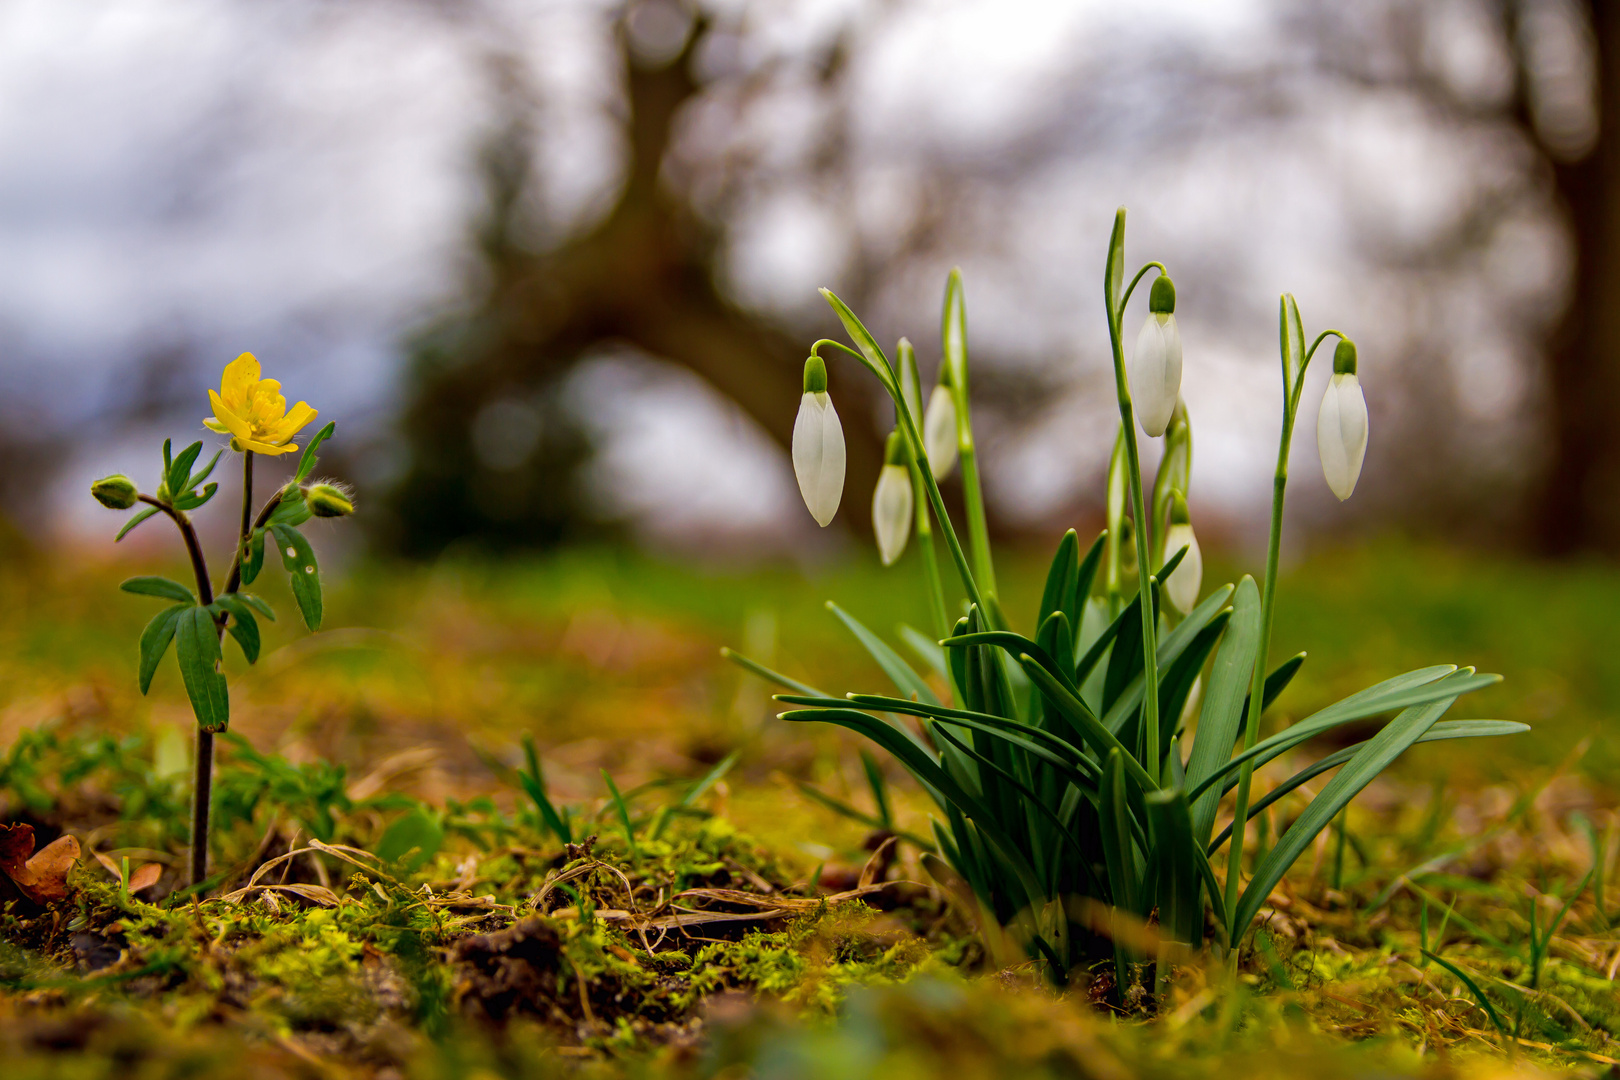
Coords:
pixel 1182 584
pixel 818 446
pixel 1155 371
pixel 253 412
pixel 1341 424
pixel 1056 758
pixel 892 503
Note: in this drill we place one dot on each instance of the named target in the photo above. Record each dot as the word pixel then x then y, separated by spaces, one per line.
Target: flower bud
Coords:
pixel 1181 587
pixel 116 492
pixel 818 446
pixel 892 503
pixel 328 500
pixel 1154 373
pixel 1341 424
pixel 939 431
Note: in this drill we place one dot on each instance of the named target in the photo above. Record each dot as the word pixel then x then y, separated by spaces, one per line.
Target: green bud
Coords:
pixel 116 492
pixel 1344 357
pixel 894 449
pixel 1162 300
pixel 1178 509
pixel 815 376
pixel 328 500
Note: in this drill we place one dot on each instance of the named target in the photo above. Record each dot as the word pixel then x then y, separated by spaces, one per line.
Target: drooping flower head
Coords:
pixel 892 502
pixel 818 446
pixel 1183 584
pixel 1341 424
pixel 252 411
pixel 1154 373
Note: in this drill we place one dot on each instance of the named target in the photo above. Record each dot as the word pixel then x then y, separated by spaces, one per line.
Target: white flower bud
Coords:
pixel 892 503
pixel 1181 587
pixel 818 446
pixel 939 432
pixel 892 512
pixel 1155 372
pixel 1341 425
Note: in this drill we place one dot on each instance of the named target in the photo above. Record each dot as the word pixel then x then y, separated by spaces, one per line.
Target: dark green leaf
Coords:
pixel 767 674
pixel 254 561
pixel 306 462
pixel 1180 885
pixel 139 517
pixel 534 783
pixel 1114 814
pixel 1221 716
pixel 1097 736
pixel 299 559
pixel 180 471
pixel 1060 579
pixel 155 642
pixel 207 470
pixel 899 672
pixel 258 604
pixel 871 351
pixel 243 626
pixel 293 510
pixel 1086 575
pixel 160 587
pixel 191 500
pixel 196 643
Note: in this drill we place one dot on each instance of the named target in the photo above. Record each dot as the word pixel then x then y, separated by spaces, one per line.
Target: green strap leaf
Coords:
pixel 767 674
pixel 900 673
pixel 871 351
pixel 299 559
pixel 155 641
pixel 1060 579
pixel 1173 645
pixel 139 517
pixel 1050 741
pixel 1383 748
pixel 1014 644
pixel 1221 714
pixel 243 626
pixel 1114 818
pixel 306 463
pixel 928 650
pixel 160 587
pixel 1114 271
pixel 196 643
pixel 1097 736
pixel 1180 885
pixel 1083 580
pixel 953 334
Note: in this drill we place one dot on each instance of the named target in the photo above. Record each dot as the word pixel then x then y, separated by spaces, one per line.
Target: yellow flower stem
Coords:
pixel 203 778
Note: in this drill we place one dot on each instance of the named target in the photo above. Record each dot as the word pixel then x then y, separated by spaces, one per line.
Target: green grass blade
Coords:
pixel 768 675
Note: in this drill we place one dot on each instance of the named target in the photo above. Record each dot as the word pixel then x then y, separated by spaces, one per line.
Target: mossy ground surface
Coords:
pixel 431 925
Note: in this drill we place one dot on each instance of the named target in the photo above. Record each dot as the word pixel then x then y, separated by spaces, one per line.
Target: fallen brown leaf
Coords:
pixel 41 875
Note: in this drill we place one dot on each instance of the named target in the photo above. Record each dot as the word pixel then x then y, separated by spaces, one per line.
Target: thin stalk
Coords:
pixel 933 585
pixel 1133 472
pixel 973 503
pixel 202 785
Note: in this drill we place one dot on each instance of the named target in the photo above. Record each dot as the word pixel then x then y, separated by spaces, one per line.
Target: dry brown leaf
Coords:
pixel 145 877
pixel 41 876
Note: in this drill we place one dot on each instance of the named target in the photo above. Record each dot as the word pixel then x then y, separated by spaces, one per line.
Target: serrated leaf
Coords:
pixel 155 642
pixel 299 559
pixel 134 521
pixel 159 586
pixel 196 643
pixel 306 463
pixel 243 626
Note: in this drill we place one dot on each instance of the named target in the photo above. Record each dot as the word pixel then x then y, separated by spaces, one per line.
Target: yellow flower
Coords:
pixel 252 411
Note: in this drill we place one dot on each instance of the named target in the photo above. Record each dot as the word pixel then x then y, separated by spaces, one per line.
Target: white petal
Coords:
pixel 1154 373
pixel 1341 434
pixel 939 432
pixel 1182 586
pixel 818 456
pixel 891 512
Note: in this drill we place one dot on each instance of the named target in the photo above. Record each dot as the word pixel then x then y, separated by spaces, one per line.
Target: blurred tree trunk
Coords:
pixel 642 277
pixel 1580 498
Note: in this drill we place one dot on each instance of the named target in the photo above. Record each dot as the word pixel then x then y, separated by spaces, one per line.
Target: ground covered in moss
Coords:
pixel 392 899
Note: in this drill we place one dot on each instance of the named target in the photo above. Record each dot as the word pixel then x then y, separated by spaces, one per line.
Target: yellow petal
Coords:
pixel 266 448
pixel 233 423
pixel 240 375
pixel 214 425
pixel 283 430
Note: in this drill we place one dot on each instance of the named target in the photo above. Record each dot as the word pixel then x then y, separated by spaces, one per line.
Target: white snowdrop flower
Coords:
pixel 818 446
pixel 939 430
pixel 1182 586
pixel 1341 424
pixel 1155 368
pixel 892 503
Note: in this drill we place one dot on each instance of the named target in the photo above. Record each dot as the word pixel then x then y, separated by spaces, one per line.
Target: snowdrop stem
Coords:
pixel 1126 301
pixel 1268 603
pixel 925 551
pixel 919 457
pixel 1133 472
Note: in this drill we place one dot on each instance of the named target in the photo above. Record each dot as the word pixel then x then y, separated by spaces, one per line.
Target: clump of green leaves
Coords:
pixel 1080 768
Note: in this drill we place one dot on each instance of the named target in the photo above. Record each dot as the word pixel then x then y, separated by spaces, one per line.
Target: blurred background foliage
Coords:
pixel 553 264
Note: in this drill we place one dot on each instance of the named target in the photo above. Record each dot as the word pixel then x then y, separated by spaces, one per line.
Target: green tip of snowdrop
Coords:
pixel 1341 424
